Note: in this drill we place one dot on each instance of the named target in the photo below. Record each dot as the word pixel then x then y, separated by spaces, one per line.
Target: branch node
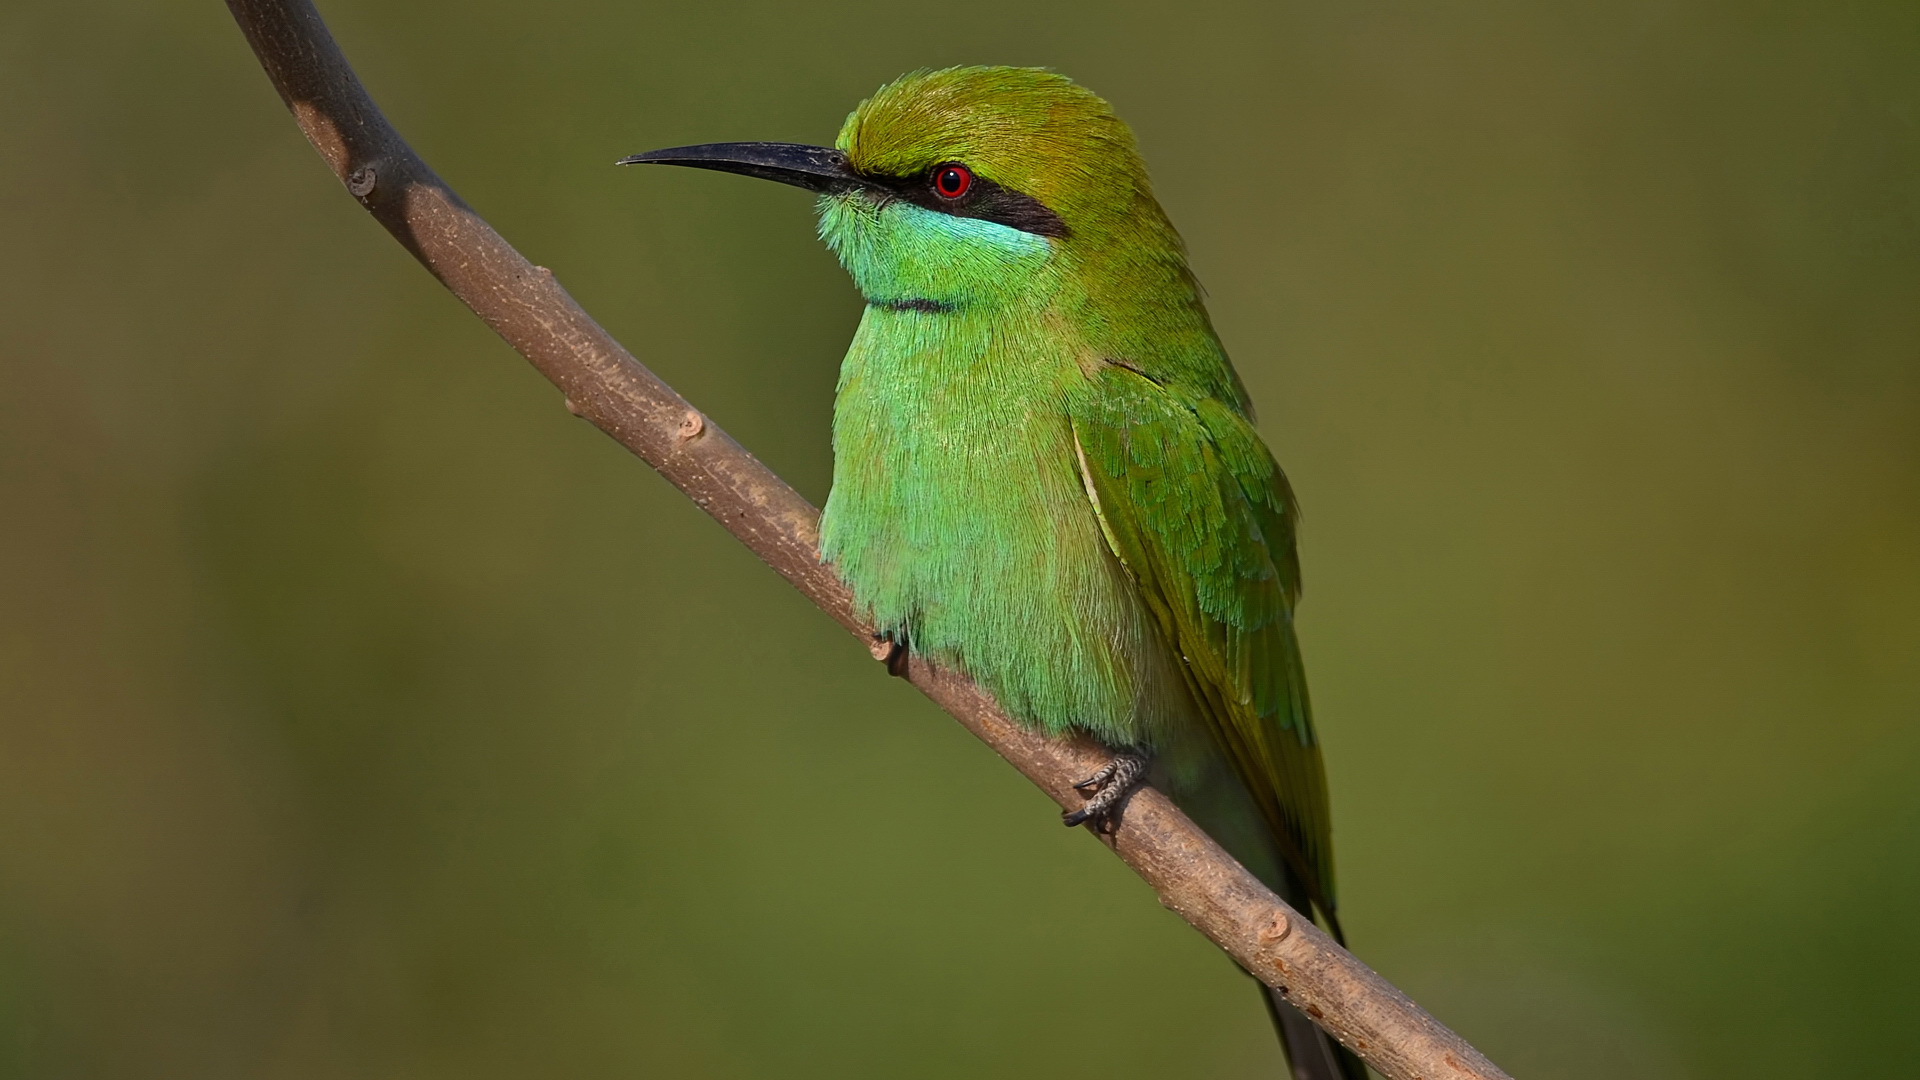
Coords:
pixel 1276 930
pixel 361 181
pixel 691 426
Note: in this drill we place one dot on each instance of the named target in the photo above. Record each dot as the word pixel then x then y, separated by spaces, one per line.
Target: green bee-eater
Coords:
pixel 1045 470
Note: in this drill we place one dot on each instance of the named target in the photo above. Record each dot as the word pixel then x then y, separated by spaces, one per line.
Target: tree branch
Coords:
pixel 604 384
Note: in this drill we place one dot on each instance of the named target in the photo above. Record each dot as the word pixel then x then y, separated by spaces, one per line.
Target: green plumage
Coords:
pixel 1052 481
pixel 1045 469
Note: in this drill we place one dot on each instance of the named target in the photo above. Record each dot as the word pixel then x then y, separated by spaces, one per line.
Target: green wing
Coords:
pixel 1194 507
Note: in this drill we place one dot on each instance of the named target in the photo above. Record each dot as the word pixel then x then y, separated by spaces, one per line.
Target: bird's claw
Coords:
pixel 1093 783
pixel 1106 790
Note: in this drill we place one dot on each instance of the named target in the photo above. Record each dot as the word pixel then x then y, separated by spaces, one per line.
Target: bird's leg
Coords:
pixel 1107 789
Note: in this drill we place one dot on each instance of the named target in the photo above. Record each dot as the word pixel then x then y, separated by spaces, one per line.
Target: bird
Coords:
pixel 1046 473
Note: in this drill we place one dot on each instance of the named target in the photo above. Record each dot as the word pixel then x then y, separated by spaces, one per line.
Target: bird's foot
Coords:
pixel 1106 790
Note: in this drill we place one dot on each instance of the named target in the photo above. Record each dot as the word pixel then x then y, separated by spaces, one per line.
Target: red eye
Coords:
pixel 952 181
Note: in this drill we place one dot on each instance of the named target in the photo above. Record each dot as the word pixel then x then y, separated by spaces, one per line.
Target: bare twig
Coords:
pixel 604 384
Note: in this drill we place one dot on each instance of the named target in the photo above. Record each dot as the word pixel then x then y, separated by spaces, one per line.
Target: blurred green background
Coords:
pixel 363 715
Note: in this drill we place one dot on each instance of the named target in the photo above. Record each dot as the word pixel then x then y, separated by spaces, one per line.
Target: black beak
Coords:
pixel 816 168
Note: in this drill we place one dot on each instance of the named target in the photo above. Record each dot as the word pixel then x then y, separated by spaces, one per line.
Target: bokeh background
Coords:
pixel 363 715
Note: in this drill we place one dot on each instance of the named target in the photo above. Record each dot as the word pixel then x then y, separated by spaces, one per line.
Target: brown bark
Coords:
pixel 605 385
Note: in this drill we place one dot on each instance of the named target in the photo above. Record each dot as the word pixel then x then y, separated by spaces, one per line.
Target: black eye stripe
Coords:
pixel 979 198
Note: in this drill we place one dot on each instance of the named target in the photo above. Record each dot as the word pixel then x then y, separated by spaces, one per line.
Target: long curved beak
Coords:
pixel 816 168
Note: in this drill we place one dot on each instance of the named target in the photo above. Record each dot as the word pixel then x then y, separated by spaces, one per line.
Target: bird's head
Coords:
pixel 972 185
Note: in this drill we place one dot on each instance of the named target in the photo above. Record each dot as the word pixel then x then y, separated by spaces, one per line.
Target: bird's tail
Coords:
pixel 1218 801
pixel 1312 1054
